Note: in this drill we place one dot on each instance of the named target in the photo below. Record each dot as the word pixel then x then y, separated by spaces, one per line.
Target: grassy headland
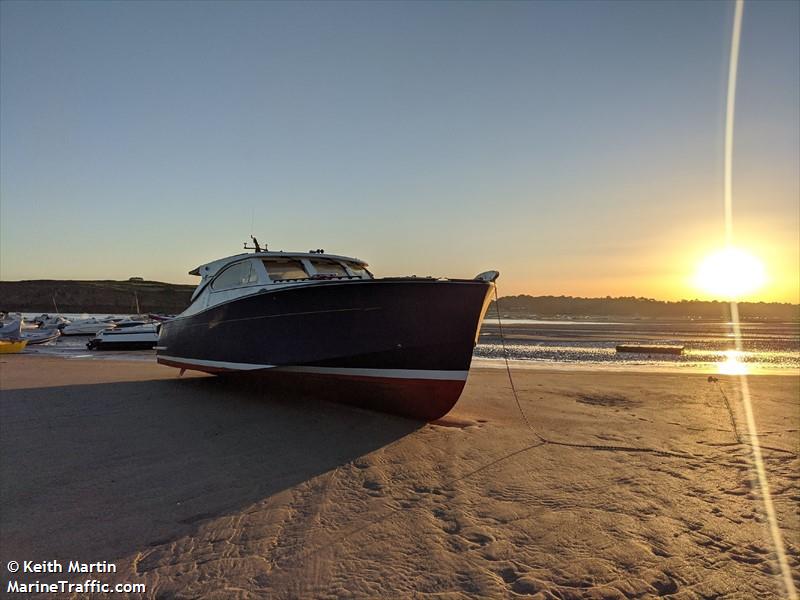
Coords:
pixel 94 296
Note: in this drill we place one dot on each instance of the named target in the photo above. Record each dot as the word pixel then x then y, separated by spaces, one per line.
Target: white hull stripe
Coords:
pixel 394 373
pixel 391 373
pixel 218 364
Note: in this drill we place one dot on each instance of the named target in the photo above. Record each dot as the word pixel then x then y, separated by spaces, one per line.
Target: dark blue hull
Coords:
pixel 382 341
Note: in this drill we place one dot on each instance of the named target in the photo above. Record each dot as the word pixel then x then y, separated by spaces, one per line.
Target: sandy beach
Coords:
pixel 637 485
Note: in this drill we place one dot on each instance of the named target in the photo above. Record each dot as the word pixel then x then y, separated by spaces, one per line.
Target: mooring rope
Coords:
pixel 508 367
pixel 728 408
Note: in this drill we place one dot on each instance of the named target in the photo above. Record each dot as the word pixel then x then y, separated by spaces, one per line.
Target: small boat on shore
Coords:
pixel 12 346
pixel 89 326
pixel 322 323
pixel 11 330
pixel 160 318
pixel 130 335
pixel 41 336
pixel 649 349
pixel 46 321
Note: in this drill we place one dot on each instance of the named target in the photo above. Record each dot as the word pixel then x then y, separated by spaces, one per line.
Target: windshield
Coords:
pixel 282 269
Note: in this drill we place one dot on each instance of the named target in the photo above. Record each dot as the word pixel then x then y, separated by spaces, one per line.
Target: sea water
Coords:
pixel 709 346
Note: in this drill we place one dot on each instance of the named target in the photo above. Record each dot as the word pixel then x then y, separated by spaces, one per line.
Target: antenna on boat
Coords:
pixel 256 246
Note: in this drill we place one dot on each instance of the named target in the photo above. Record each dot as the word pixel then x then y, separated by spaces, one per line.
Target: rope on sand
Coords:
pixel 728 407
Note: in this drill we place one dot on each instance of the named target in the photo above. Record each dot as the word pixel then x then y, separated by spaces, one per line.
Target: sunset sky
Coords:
pixel 575 147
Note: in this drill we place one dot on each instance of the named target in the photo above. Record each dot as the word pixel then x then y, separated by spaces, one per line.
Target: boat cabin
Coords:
pixel 244 274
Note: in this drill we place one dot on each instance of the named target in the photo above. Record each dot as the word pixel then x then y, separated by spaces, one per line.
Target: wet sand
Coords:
pixel 200 487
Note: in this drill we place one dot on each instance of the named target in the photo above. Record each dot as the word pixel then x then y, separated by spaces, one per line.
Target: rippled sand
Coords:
pixel 201 488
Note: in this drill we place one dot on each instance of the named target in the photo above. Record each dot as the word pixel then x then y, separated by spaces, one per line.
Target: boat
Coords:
pixel 319 323
pixel 646 349
pixel 12 346
pixel 89 326
pixel 17 331
pixel 45 321
pixel 160 317
pixel 11 330
pixel 41 335
pixel 126 335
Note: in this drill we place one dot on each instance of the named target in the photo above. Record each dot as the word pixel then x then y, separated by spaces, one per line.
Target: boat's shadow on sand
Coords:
pixel 97 472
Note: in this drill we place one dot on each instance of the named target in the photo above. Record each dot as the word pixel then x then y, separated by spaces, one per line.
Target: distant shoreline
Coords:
pixel 110 296
pixel 548 307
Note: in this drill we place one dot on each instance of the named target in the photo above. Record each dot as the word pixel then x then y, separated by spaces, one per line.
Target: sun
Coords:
pixel 730 273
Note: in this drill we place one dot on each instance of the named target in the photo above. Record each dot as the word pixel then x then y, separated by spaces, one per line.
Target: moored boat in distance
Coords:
pixel 126 335
pixel 321 323
pixel 41 335
pixel 12 346
pixel 160 318
pixel 46 321
pixel 12 329
pixel 89 326
pixel 649 349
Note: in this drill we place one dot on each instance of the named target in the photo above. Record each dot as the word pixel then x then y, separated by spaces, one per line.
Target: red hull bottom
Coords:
pixel 423 399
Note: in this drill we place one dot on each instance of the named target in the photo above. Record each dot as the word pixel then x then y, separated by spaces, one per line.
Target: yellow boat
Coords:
pixel 12 346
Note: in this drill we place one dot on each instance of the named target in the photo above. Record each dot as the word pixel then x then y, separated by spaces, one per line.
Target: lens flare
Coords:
pixel 730 273
pixel 732 365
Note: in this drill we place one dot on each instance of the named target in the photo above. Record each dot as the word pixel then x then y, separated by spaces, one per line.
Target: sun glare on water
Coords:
pixel 730 273
pixel 732 365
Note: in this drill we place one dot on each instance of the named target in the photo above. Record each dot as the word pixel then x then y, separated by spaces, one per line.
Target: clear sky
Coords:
pixel 574 146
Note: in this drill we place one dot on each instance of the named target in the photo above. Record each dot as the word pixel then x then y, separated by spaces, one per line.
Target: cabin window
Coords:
pixel 284 268
pixel 236 275
pixel 328 267
pixel 358 270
